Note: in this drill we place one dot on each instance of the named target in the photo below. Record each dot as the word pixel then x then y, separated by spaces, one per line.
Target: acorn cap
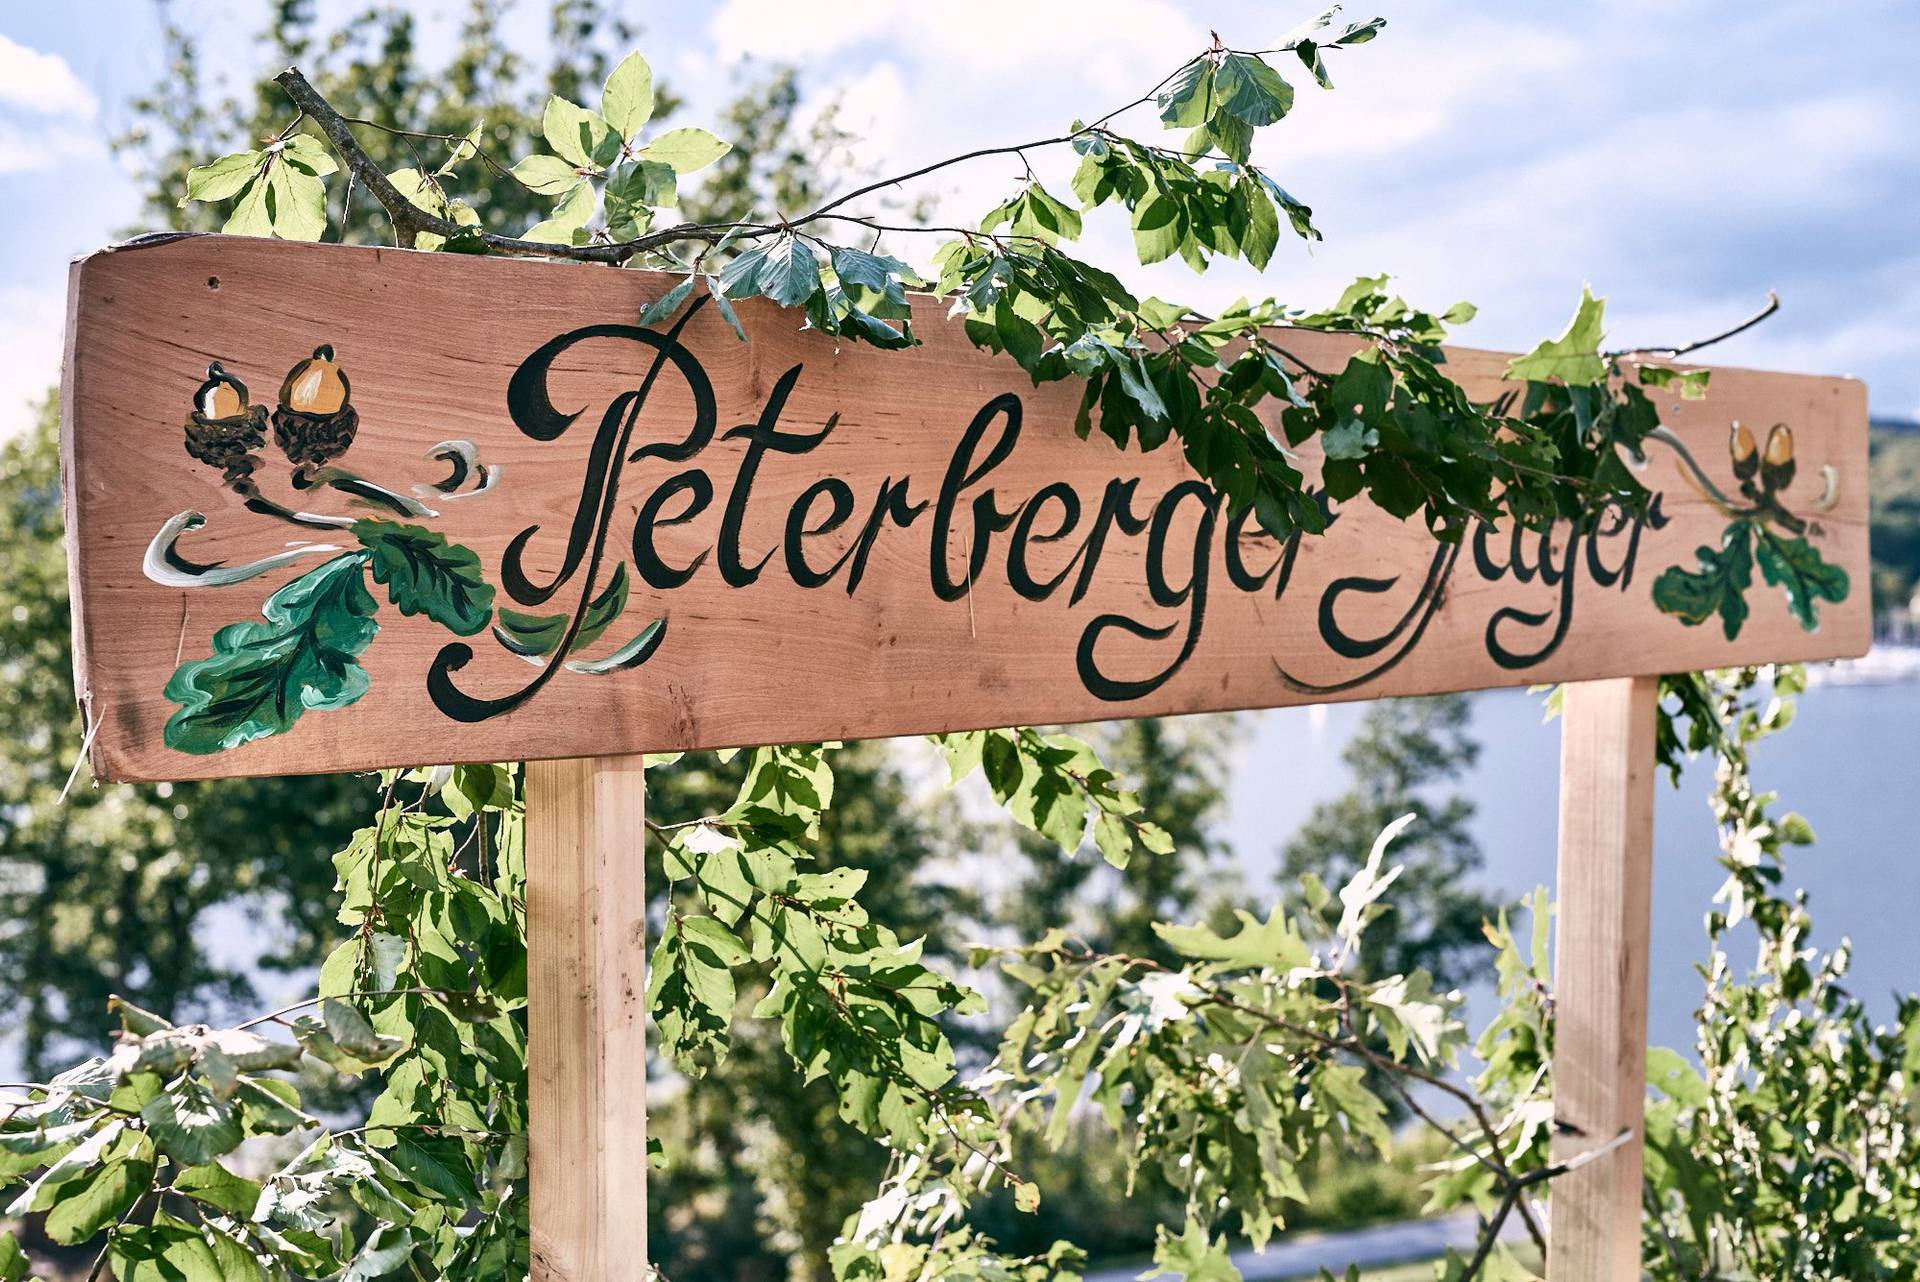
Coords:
pixel 316 385
pixel 221 396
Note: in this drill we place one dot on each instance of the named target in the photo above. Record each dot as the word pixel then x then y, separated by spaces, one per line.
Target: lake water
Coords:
pixel 1850 764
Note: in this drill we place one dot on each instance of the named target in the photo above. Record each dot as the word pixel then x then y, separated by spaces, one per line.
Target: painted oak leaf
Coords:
pixel 1719 586
pixel 425 574
pixel 261 677
pixel 1797 566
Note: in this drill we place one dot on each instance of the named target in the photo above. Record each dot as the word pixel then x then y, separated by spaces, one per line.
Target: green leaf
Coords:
pixel 223 178
pixel 1691 382
pixel 547 175
pixel 170 1251
pixel 14 1264
pixel 716 290
pixel 385 1250
pixel 435 1163
pixel 309 155
pixel 1574 357
pixel 262 676
pixel 352 1033
pixel 99 1197
pixel 214 1185
pixel 1274 943
pixel 191 1124
pixel 784 270
pixel 427 575
pixel 1188 98
pixel 1718 587
pixel 1159 228
pixel 1194 1256
pixel 299 203
pixel 634 189
pixel 1248 89
pixel 1796 565
pixel 251 215
pixel 577 134
pixel 685 151
pixel 627 102
pixel 667 305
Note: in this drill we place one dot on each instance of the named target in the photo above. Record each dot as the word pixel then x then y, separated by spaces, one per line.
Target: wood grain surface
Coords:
pixel 825 595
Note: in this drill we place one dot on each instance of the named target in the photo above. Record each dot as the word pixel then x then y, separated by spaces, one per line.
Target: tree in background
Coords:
pixel 109 889
pixel 1404 752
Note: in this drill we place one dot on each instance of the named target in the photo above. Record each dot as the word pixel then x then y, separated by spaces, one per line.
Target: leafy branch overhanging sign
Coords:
pixel 337 508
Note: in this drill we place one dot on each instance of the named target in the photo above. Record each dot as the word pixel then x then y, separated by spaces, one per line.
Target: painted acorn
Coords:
pixel 1745 451
pixel 316 419
pixel 223 429
pixel 1776 469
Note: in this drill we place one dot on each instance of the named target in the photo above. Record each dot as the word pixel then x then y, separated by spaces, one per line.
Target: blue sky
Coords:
pixel 1682 159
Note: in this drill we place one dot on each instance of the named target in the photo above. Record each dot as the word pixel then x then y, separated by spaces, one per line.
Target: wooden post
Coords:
pixel 1600 976
pixel 586 1018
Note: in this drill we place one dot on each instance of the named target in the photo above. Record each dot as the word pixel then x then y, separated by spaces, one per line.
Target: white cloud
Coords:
pixel 43 83
pixel 25 150
pixel 32 320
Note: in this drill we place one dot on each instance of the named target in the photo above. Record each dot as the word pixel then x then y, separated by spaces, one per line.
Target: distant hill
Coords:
pixel 1894 473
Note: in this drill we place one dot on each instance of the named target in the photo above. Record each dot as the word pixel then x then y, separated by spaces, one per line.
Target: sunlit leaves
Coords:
pixel 685 150
pixel 1574 357
pixel 627 101
pixel 278 188
pixel 547 175
pixel 577 135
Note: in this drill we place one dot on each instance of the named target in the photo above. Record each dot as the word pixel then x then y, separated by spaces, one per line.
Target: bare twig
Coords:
pixel 1670 353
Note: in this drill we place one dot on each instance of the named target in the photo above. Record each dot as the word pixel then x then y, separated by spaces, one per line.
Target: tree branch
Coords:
pixel 1669 353
pixel 410 221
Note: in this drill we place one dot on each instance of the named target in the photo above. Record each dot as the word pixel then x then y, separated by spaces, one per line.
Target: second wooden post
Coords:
pixel 1600 976
pixel 587 1018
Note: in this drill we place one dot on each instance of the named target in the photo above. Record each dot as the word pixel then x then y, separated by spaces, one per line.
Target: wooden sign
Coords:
pixel 342 508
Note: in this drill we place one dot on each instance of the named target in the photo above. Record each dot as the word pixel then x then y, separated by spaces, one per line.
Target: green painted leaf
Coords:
pixel 627 102
pixel 1718 587
pixel 223 178
pixel 631 655
pixel 427 575
pixel 577 134
pixel 1796 565
pixel 534 636
pixel 1574 357
pixel 262 676
pixel 685 150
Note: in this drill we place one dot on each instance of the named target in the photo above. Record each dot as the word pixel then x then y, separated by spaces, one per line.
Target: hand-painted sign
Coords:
pixel 429 508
